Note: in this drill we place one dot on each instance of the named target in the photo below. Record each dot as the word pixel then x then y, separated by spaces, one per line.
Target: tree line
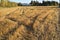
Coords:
pixel 44 3
pixel 7 3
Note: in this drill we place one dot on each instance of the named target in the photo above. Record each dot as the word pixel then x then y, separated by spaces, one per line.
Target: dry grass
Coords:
pixel 29 23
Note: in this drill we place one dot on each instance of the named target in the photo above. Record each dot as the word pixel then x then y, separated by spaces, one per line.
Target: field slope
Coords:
pixel 29 23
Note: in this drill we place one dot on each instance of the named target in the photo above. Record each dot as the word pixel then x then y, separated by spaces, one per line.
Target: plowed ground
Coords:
pixel 29 23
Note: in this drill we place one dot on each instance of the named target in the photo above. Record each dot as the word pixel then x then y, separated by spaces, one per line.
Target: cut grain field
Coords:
pixel 29 23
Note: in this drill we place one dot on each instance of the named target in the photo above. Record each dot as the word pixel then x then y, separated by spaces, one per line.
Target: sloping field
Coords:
pixel 29 23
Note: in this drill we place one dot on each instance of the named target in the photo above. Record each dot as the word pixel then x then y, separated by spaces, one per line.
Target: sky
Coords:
pixel 28 1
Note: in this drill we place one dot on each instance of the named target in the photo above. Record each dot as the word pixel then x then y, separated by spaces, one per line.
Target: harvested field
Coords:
pixel 29 23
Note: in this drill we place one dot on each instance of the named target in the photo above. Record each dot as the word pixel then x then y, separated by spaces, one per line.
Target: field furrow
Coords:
pixel 29 23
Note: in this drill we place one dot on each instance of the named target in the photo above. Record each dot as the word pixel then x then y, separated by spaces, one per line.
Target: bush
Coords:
pixel 8 4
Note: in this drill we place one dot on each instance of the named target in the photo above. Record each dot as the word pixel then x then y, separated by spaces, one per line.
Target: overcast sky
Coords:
pixel 28 1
